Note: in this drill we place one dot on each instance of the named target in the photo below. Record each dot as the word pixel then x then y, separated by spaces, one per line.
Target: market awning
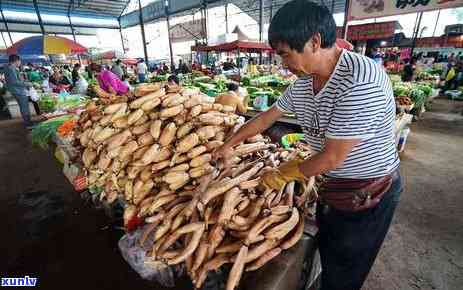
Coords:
pixel 243 46
pixel 41 45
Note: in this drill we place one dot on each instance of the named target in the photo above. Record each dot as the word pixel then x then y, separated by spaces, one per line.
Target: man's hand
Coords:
pixel 289 171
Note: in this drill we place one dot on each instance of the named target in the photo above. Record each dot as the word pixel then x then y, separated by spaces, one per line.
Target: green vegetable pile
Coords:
pixel 43 132
pixel 418 92
pixel 47 103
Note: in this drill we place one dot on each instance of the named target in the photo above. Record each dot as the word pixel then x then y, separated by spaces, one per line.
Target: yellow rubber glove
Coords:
pixel 277 178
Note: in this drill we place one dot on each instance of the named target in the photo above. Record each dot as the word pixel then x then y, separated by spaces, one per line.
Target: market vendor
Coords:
pixel 233 98
pixel 109 82
pixel 58 79
pixel 344 103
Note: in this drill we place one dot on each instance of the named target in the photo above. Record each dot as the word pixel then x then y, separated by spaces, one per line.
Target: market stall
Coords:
pixel 148 154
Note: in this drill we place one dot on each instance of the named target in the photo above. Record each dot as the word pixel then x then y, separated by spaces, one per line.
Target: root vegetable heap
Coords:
pixel 156 153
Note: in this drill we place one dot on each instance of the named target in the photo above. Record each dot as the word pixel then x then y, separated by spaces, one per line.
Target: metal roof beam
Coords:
pixel 6 24
pixel 63 24
pixel 37 11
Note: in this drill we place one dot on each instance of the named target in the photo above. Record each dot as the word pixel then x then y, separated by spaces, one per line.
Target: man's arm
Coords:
pixel 334 155
pixel 242 105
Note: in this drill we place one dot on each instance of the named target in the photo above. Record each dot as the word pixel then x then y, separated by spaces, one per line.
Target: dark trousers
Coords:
pixel 350 241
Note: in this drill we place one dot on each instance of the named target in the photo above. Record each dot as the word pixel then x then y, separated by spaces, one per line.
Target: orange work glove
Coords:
pixel 289 171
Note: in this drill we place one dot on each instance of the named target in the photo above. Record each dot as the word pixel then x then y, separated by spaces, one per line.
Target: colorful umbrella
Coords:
pixel 40 45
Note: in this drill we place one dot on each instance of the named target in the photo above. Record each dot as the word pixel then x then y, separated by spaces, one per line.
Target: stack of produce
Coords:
pixel 156 152
pixel 403 101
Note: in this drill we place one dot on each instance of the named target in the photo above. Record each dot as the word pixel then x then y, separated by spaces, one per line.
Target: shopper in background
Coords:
pixel 164 69
pixel 252 67
pixel 409 70
pixel 75 73
pixel 88 73
pixel 233 98
pixel 173 80
pixel 345 106
pixel 33 75
pixel 18 88
pixel 109 82
pixel 117 69
pixel 67 73
pixel 182 68
pixel 142 69
pixel 58 82
pixel 228 65
pixel 377 56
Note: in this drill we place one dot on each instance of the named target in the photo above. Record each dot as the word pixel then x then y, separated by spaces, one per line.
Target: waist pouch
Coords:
pixel 354 194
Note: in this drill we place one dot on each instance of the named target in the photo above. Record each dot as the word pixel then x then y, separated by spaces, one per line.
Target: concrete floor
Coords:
pixel 49 232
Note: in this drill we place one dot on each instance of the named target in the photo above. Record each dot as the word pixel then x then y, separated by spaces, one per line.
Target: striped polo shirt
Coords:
pixel 357 102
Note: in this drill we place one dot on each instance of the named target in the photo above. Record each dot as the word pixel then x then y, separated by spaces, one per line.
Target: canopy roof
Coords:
pixel 112 8
pixel 243 46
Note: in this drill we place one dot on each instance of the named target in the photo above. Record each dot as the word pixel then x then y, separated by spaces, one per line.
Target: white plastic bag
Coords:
pixel 33 94
pixel 134 254
pixel 81 86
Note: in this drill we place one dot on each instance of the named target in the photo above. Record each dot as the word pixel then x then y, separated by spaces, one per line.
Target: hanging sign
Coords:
pixel 371 30
pixel 362 9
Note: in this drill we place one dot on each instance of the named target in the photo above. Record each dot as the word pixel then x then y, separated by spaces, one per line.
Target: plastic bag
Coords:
pixel 33 94
pixel 81 86
pixel 450 75
pixel 134 254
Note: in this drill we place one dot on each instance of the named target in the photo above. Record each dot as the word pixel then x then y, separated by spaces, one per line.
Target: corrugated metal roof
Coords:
pixel 112 8
pixel 251 7
pixel 155 10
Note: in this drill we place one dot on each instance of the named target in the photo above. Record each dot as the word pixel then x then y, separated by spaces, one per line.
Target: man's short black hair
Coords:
pixel 118 61
pixel 13 58
pixel 297 21
pixel 232 86
pixel 173 78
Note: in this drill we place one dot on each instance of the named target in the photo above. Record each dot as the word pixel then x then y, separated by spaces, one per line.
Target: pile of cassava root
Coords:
pixel 155 152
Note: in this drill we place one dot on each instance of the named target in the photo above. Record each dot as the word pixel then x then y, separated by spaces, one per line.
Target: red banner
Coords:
pixel 371 31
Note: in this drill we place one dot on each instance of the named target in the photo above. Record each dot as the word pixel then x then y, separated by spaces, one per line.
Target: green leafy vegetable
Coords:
pixel 43 132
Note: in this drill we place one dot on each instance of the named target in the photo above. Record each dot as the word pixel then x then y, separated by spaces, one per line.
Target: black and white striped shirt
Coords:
pixel 357 102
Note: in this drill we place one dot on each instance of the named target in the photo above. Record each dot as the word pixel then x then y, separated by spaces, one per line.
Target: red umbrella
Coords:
pixel 342 43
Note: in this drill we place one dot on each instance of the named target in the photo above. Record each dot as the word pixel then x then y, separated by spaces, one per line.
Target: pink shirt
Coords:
pixel 107 78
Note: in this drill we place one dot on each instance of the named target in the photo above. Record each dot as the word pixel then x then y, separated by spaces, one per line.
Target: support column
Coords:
pixel 437 21
pixel 271 11
pixel 226 17
pixel 122 37
pixel 3 37
pixel 261 26
pixel 346 20
pixel 415 33
pixel 142 26
pixel 37 11
pixel 168 33
pixel 205 21
pixel 6 24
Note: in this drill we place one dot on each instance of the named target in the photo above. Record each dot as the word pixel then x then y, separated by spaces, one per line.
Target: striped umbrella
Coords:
pixel 41 45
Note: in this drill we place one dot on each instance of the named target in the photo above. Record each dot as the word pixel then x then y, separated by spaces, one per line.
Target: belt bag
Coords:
pixel 354 194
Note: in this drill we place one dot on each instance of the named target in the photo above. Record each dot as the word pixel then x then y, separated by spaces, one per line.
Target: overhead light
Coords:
pixel 383 43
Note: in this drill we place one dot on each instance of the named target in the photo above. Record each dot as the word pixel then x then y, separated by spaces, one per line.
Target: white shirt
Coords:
pixel 141 68
pixel 357 102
